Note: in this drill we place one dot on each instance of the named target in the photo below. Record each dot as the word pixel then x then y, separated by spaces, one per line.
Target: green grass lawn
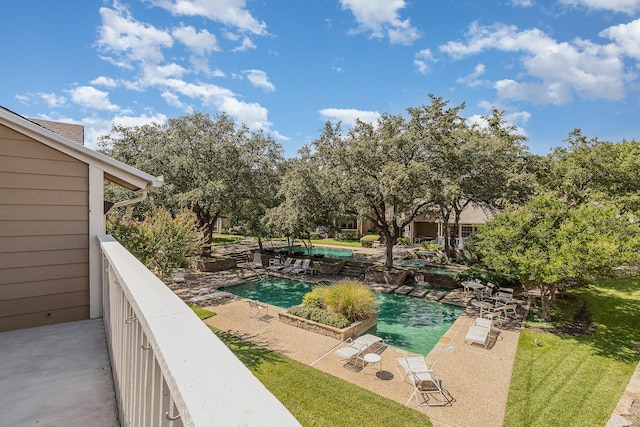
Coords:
pixel 316 398
pixel 577 380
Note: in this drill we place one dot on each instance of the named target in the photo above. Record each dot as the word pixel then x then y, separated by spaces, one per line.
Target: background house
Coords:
pixel 429 227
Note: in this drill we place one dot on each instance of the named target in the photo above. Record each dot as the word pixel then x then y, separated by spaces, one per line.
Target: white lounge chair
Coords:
pixel 306 263
pixel 292 267
pixel 423 380
pixel 479 331
pixel 354 351
pixel 286 264
pixel 257 261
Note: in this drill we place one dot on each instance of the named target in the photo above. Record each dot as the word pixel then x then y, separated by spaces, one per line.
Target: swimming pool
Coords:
pixel 423 265
pixel 409 323
pixel 327 252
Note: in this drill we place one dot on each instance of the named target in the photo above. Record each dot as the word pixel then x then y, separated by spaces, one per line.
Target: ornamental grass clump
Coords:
pixel 350 298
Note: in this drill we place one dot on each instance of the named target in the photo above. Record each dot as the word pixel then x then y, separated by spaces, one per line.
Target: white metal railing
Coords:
pixel 169 369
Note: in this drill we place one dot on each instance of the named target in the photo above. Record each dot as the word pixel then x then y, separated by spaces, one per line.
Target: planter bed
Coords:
pixel 356 329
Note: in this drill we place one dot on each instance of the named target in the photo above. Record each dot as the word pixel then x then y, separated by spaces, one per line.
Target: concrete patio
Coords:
pixel 477 378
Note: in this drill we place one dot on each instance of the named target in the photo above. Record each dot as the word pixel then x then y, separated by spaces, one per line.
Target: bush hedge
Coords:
pixel 367 240
pixel 319 315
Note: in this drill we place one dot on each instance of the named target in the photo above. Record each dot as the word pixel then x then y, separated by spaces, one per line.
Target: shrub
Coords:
pixel 350 298
pixel 484 275
pixel 315 298
pixel 367 240
pixel 161 241
pixel 403 241
pixel 336 320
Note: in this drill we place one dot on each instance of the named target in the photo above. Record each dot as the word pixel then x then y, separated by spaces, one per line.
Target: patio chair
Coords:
pixel 286 264
pixel 292 267
pixel 496 315
pixel 257 261
pixel 510 309
pixel 306 264
pixel 353 353
pixel 479 331
pixel 422 379
pixel 255 308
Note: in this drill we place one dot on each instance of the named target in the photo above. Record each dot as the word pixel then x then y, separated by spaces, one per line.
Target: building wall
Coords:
pixel 44 226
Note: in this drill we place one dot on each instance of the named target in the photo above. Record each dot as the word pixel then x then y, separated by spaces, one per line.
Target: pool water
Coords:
pixel 332 252
pixel 409 323
pixel 412 324
pixel 328 252
pixel 423 265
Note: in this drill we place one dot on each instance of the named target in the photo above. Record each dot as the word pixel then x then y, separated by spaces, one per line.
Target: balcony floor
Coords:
pixel 57 375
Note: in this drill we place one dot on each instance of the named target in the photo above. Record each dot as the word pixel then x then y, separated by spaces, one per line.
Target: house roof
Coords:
pixel 114 170
pixel 69 130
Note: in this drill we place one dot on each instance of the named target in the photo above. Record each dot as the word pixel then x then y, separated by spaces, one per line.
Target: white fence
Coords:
pixel 169 369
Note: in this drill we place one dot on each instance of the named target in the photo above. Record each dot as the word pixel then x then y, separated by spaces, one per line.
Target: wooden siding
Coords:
pixel 44 242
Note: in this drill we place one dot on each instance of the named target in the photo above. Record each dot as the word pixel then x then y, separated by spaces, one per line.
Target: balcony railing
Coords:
pixel 169 369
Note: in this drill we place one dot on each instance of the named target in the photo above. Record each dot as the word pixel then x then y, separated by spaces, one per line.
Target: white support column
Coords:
pixel 96 227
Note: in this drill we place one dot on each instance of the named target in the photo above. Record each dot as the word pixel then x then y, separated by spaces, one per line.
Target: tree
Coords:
pixel 590 169
pixel 306 201
pixel 376 173
pixel 213 167
pixel 548 244
pixel 468 164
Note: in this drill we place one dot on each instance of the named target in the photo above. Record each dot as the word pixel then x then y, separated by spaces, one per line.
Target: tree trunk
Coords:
pixel 389 241
pixel 544 301
pixel 259 244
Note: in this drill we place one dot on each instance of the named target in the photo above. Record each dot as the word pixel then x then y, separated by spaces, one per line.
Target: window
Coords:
pixel 467 230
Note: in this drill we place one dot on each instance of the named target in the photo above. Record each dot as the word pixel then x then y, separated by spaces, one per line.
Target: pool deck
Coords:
pixel 477 378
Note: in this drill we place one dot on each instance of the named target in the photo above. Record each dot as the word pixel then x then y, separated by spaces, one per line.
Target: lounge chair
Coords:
pixel 479 331
pixel 256 307
pixel 306 263
pixel 286 264
pixel 257 261
pixel 423 379
pixel 353 353
pixel 206 294
pixel 292 267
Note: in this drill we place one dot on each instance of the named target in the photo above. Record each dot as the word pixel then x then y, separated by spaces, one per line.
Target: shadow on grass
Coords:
pixel 251 355
pixel 614 305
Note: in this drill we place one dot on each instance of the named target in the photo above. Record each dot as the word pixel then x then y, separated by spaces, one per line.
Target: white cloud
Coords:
pixel 90 97
pixel 258 78
pixel 626 37
pixel 246 44
pixel 104 81
pixel 348 116
pixel 52 100
pixel 128 39
pixel 522 3
pixel 201 43
pixel 471 80
pixel 381 18
pixel 228 12
pixel 422 59
pixel 625 6
pixel 558 69
pixel 95 127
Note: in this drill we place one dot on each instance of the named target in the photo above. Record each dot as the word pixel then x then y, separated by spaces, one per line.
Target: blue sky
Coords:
pixel 289 66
